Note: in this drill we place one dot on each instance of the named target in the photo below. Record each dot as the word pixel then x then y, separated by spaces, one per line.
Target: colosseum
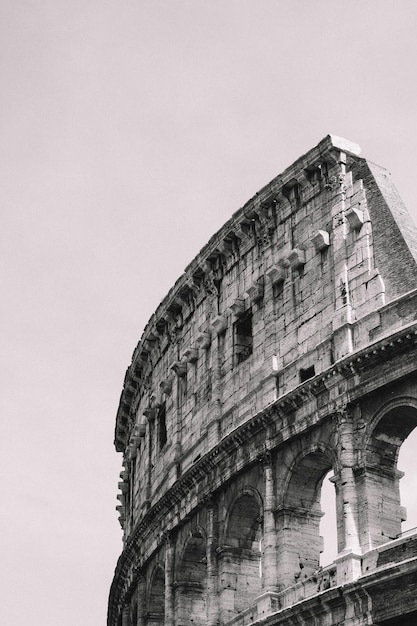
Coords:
pixel 285 351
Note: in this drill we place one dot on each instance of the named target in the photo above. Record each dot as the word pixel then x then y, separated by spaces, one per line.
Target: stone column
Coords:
pixel 269 539
pixel 348 560
pixel 141 597
pixel 126 615
pixel 218 326
pixel 212 570
pixel 169 580
pixel 268 602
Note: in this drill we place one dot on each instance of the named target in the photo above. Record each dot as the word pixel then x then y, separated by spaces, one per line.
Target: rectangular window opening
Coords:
pixel 162 427
pixel 307 373
pixel 243 337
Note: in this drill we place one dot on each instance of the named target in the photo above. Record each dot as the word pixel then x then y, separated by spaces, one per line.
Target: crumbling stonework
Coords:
pixel 286 349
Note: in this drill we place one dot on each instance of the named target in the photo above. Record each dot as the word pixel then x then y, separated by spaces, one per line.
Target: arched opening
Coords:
pixel 298 521
pixel 408 484
pixel 328 523
pixel 240 569
pixel 383 519
pixel 156 599
pixel 191 587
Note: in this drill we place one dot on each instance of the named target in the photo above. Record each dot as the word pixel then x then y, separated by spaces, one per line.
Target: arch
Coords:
pixel 155 615
pixel 386 432
pixel 298 519
pixel 243 519
pixel 191 586
pixel 240 563
pixel 305 476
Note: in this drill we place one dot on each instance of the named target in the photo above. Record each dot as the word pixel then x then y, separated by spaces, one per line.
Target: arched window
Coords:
pixel 191 586
pixel 298 521
pixel 156 598
pixel 408 484
pixel 328 523
pixel 240 570
pixel 382 477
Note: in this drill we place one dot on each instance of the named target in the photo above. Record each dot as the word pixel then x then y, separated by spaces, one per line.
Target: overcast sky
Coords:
pixel 130 131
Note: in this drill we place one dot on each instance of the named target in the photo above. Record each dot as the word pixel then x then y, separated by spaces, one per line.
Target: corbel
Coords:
pixel 219 324
pixel 190 355
pixel 166 385
pixel 320 240
pixel 355 217
pixel 256 291
pixel 203 339
pixel 276 274
pixel 297 258
pixel 179 368
pixel 238 307
pixel 150 413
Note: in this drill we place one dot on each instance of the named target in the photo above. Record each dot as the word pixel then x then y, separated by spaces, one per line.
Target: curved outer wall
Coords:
pixel 285 350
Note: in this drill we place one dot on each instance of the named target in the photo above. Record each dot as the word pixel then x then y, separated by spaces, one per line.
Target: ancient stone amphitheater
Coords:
pixel 287 349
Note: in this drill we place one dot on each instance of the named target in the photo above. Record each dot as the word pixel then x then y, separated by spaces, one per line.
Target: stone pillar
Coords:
pixel 218 326
pixel 299 544
pixel 141 597
pixel 169 580
pixel 212 570
pixel 349 559
pixel 126 615
pixel 269 539
pixel 268 601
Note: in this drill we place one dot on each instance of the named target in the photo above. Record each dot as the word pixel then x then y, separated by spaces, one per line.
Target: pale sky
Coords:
pixel 131 131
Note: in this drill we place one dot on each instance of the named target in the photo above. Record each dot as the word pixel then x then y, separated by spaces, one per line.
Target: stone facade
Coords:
pixel 286 349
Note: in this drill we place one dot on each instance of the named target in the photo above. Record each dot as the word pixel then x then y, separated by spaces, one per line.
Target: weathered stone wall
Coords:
pixel 286 350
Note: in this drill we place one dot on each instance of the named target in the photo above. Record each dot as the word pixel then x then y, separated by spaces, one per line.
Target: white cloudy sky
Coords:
pixel 131 130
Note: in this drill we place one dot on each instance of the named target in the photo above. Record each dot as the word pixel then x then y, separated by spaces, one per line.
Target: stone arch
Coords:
pixel 191 581
pixel 155 615
pixel 240 562
pixel 380 478
pixel 298 516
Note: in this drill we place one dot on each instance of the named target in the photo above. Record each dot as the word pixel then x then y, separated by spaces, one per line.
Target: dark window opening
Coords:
pixel 307 373
pixel 243 337
pixel 162 427
pixel 278 289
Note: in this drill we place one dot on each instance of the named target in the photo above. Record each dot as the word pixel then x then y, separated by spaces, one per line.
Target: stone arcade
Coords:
pixel 286 349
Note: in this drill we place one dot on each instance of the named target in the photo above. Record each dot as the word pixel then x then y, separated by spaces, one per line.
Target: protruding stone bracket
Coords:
pixel 226 247
pixel 256 291
pixel 179 368
pixel 203 340
pixel 297 258
pixel 219 324
pixel 150 413
pixel 166 385
pixel 276 274
pixel 238 307
pixel 355 217
pixel 320 240
pixel 131 451
pixel 190 355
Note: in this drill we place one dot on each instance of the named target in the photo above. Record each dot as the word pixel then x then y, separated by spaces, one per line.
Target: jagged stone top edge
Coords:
pixel 327 145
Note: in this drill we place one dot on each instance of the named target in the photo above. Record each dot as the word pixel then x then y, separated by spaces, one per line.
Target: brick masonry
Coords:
pixel 286 350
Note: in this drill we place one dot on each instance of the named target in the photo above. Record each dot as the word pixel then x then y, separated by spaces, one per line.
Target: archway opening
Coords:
pixel 302 513
pixel 328 523
pixel 408 483
pixel 242 557
pixel 191 588
pixel 156 599
pixel 382 474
